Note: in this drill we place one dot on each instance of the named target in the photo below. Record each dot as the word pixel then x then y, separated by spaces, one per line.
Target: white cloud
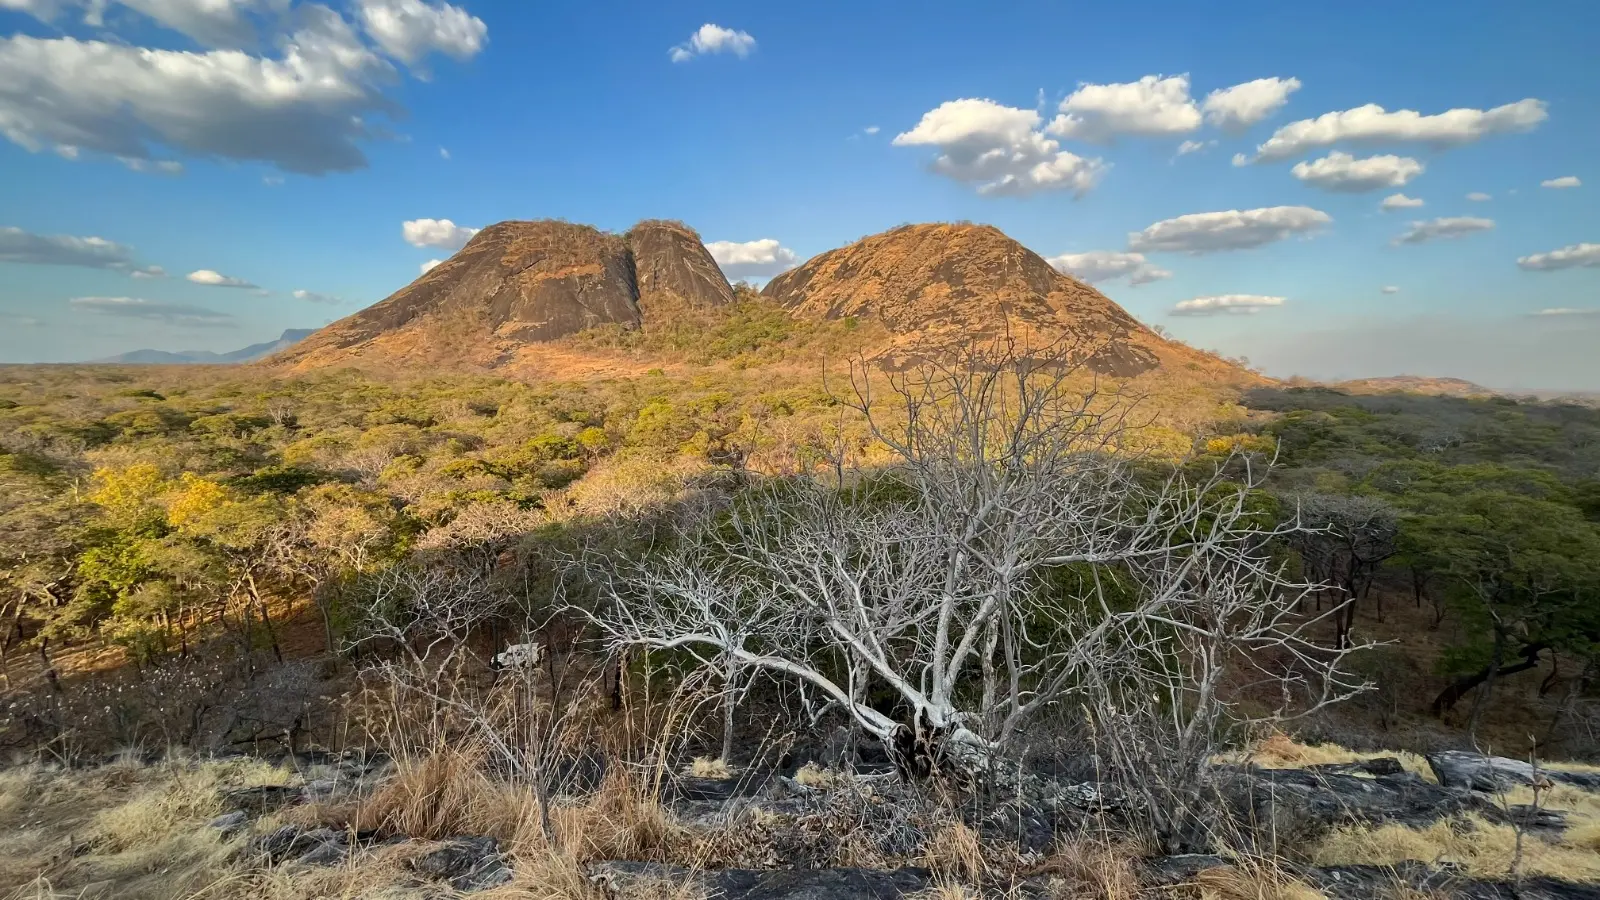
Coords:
pixel 1096 266
pixel 1448 227
pixel 1239 159
pixel 1399 201
pixel 436 233
pixel 1237 108
pixel 1372 123
pixel 713 39
pixel 429 265
pixel 1232 229
pixel 757 259
pixel 181 314
pixel 1226 304
pixel 1188 147
pixel 1000 148
pixel 871 129
pixel 1565 181
pixel 1479 197
pixel 1343 173
pixel 1571 257
pixel 1568 311
pixel 213 23
pixel 1390 289
pixel 212 278
pixel 16 319
pixel 21 246
pixel 314 297
pixel 148 272
pixel 135 164
pixel 1153 106
pixel 409 30
pixel 443 153
pixel 305 111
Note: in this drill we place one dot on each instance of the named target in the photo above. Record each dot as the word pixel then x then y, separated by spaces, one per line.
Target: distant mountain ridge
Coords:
pixel 251 353
pixel 508 300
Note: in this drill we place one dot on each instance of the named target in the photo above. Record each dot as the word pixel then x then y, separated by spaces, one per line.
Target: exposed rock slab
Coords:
pixel 1474 771
pixel 623 880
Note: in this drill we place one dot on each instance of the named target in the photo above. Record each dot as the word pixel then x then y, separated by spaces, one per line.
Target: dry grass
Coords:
pixel 814 776
pixel 1252 881
pixel 1279 751
pixel 953 850
pixel 1087 868
pixel 946 890
pixel 1482 848
pixel 706 767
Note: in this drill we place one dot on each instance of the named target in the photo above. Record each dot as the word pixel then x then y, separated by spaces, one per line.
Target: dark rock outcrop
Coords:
pixel 670 263
pixel 624 879
pixel 1464 769
pixel 467 863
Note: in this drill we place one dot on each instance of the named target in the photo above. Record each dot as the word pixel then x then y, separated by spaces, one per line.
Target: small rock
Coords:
pixel 326 854
pixel 290 841
pixel 468 863
pixel 262 798
pixel 230 823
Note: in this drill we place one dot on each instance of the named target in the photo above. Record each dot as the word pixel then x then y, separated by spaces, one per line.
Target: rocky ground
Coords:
pixel 1365 828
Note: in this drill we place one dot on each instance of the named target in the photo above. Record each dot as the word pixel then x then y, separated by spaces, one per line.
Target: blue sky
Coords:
pixel 283 144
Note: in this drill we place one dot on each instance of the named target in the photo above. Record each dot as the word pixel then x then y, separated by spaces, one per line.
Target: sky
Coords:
pixel 1354 191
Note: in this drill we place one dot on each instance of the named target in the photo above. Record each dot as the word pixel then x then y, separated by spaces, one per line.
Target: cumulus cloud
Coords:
pixel 1479 197
pixel 1447 227
pixel 1096 266
pixel 1568 311
pixel 1188 147
pixel 1232 229
pixel 1372 123
pixel 436 233
pixel 213 23
pixel 1236 108
pixel 314 297
pixel 306 108
pixel 752 259
pixel 181 314
pixel 429 265
pixel 1570 257
pixel 1153 106
pixel 1390 289
pixel 713 39
pixel 1001 149
pixel 1343 173
pixel 1565 181
pixel 409 30
pixel 871 129
pixel 1226 304
pixel 21 246
pixel 212 278
pixel 1399 201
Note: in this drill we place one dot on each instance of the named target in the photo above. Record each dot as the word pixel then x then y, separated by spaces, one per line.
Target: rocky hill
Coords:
pixel 936 286
pixel 517 284
pixel 1416 384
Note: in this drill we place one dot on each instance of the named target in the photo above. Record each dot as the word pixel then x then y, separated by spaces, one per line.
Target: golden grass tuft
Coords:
pixel 814 776
pixel 1279 751
pixel 1085 868
pixel 706 767
pixel 954 850
pixel 1482 848
pixel 1252 881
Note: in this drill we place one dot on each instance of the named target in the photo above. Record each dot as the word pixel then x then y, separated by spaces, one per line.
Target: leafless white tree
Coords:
pixel 1014 555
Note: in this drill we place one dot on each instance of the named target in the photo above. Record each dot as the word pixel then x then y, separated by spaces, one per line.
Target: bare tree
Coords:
pixel 1013 556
